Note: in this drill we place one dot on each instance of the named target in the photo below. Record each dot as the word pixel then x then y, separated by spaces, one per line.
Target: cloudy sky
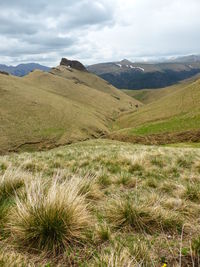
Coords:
pixel 97 30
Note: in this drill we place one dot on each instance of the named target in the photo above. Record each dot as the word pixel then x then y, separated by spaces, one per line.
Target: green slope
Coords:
pixel 176 112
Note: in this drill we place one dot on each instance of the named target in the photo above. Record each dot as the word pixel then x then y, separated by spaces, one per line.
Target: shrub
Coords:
pixel 49 221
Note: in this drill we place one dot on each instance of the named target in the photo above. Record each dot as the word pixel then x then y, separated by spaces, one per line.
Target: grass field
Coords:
pixel 100 203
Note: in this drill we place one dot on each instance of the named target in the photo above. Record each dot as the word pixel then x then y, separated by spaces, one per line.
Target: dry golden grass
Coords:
pixel 49 221
pixel 101 203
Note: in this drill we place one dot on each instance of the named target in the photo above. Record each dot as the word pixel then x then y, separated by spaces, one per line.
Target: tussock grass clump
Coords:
pixel 127 181
pixel 88 187
pixel 168 187
pixel 136 167
pixel 196 246
pixel 50 221
pixel 141 252
pixel 184 163
pixel 32 166
pixel 141 216
pixel 10 181
pixel 198 168
pixel 120 210
pixel 3 166
pixel 14 259
pixel 157 161
pixel 192 192
pixel 103 232
pixel 104 180
pixel 115 258
pixel 151 182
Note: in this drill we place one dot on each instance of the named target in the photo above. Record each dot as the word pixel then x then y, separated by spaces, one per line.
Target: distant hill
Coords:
pixel 147 96
pixel 172 117
pixel 190 58
pixel 23 69
pixel 44 110
pixel 127 75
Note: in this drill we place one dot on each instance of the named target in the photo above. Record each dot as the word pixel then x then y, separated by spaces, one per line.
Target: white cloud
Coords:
pixel 97 30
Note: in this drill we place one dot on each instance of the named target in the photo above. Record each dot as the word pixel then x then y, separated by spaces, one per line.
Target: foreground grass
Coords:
pixel 100 203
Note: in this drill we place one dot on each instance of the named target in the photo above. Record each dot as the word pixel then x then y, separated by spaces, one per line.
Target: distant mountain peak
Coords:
pixel 125 62
pixel 4 72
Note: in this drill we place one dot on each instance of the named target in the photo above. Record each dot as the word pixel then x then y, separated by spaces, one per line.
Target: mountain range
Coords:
pixel 23 69
pixel 128 75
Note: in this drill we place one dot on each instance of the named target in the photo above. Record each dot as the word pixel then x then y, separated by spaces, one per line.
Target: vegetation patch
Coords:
pixel 100 203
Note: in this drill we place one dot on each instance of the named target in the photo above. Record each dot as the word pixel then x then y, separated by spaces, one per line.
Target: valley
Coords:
pixel 44 110
pixel 99 133
pixel 91 175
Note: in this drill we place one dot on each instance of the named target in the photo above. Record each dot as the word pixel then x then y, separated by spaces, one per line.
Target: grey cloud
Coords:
pixel 97 30
pixel 89 13
pixel 40 26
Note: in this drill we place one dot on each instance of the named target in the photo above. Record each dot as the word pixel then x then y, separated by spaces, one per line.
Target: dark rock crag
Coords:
pixel 74 64
pixel 4 72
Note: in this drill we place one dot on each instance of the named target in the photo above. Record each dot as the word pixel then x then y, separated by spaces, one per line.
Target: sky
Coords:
pixel 95 31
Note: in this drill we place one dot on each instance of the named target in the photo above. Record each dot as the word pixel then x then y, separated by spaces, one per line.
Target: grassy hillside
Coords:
pixel 44 110
pixel 100 203
pixel 178 111
pixel 147 96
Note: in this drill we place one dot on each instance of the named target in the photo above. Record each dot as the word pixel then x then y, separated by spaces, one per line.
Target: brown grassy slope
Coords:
pixel 47 110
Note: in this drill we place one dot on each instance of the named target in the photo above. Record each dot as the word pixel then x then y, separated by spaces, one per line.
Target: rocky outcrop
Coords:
pixel 4 72
pixel 74 64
